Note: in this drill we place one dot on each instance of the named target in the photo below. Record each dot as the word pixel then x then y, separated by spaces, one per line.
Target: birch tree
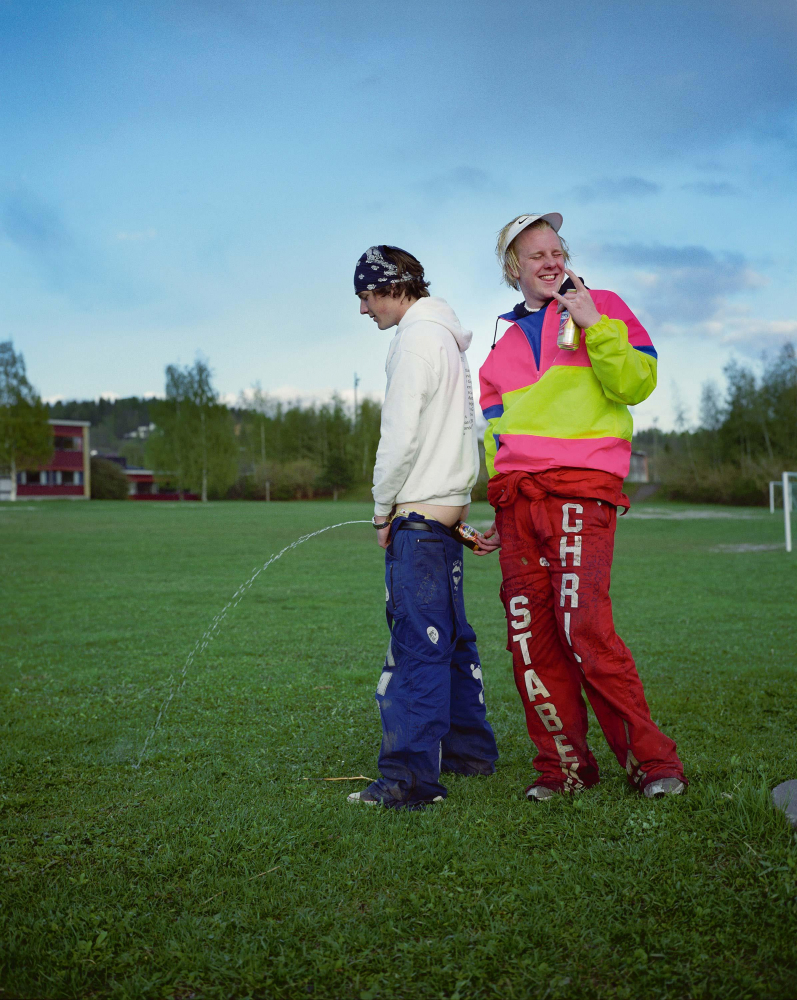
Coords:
pixel 25 434
pixel 194 438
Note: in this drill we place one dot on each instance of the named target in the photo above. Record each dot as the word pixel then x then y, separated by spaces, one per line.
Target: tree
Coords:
pixel 25 434
pixel 337 474
pixel 194 438
pixel 261 409
pixel 108 481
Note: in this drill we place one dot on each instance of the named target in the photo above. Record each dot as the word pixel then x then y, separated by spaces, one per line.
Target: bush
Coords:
pixel 479 491
pixel 297 480
pixel 746 486
pixel 108 481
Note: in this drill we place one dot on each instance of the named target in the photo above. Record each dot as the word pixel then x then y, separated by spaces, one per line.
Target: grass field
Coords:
pixel 217 870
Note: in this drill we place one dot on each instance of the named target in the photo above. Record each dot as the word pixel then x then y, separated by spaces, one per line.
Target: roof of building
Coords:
pixel 70 423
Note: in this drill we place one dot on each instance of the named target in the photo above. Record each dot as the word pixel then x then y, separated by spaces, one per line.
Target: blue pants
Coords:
pixel 430 694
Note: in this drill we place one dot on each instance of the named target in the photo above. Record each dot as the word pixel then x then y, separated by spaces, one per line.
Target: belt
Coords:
pixel 414 526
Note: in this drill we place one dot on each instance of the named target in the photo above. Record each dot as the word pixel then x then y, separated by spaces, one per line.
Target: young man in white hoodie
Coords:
pixel 430 694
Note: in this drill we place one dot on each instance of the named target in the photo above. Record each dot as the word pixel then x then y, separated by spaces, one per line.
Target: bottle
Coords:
pixel 465 534
pixel 569 334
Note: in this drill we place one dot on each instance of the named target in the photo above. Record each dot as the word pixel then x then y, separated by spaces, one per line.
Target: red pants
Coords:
pixel 556 559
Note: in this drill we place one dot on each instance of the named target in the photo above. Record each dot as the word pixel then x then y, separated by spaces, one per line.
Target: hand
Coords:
pixel 488 542
pixel 578 303
pixel 383 537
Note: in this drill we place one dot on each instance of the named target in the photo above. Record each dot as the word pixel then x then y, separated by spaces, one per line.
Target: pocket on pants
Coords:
pixel 430 586
pixel 393 586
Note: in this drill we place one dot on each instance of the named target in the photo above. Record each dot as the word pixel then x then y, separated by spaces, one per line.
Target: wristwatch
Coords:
pixel 379 526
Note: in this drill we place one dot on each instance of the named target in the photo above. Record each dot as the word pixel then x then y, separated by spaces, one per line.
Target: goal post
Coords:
pixel 787 503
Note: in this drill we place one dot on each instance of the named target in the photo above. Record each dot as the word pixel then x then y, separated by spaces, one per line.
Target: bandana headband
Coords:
pixel 374 271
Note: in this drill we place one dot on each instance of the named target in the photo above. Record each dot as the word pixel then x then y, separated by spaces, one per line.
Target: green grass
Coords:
pixel 147 883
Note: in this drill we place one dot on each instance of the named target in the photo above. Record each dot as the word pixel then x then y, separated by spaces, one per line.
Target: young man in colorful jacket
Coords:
pixel 558 446
pixel 430 694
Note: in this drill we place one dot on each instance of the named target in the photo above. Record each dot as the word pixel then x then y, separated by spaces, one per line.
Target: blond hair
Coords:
pixel 507 255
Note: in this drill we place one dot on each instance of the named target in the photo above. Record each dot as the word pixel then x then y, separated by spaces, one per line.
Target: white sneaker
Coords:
pixel 539 793
pixel 664 786
pixel 362 797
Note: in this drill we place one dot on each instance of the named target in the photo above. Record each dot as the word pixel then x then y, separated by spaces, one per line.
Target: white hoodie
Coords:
pixel 427 451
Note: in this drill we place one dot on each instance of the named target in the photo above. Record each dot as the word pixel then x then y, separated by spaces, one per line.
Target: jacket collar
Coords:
pixel 520 309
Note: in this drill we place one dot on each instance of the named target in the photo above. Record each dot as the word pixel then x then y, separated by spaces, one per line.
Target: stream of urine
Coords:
pixel 176 684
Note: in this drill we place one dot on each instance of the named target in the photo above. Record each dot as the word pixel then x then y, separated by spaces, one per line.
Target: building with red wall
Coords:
pixel 143 484
pixel 68 473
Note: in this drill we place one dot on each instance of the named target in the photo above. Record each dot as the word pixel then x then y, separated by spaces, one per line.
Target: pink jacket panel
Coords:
pixel 519 452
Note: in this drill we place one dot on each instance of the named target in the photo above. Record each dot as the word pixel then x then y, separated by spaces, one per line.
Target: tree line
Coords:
pixel 261 447
pixel 746 435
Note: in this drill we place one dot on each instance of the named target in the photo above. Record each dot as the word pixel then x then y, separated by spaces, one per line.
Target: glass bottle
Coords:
pixel 465 534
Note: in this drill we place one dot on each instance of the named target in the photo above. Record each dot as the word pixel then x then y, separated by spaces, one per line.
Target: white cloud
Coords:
pixel 688 284
pixel 692 292
pixel 739 328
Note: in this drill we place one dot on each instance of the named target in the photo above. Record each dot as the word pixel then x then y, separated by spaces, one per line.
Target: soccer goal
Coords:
pixel 788 502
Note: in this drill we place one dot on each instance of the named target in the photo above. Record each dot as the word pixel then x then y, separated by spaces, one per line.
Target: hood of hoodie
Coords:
pixel 434 310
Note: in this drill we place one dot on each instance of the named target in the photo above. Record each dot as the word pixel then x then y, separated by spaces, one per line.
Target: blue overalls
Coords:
pixel 430 694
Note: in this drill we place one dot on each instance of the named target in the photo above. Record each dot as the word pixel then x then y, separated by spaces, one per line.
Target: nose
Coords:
pixel 363 308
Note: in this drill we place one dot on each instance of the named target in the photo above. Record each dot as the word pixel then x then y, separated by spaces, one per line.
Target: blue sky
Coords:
pixel 192 176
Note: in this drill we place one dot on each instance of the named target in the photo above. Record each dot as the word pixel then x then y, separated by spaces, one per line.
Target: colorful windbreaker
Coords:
pixel 547 408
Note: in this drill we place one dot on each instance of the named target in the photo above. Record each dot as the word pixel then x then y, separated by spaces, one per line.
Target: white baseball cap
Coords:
pixel 554 220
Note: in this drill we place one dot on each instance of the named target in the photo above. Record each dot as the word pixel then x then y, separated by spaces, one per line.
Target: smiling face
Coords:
pixel 541 265
pixel 384 310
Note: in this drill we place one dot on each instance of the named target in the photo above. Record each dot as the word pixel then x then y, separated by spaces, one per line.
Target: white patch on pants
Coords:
pixel 476 670
pixel 574 550
pixel 548 717
pixel 569 589
pixel 577 525
pixel 534 686
pixel 567 636
pixel 433 634
pixel 384 680
pixel 569 765
pixel 516 608
pixel 523 639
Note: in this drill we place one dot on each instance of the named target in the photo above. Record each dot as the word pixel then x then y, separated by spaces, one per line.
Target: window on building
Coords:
pixel 62 443
pixel 32 477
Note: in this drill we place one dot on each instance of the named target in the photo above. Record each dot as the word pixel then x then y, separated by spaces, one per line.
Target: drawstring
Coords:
pixel 520 309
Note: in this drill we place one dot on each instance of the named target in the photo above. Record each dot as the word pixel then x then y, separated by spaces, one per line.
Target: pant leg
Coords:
pixel 580 551
pixel 413 699
pixel 469 745
pixel 546 676
pixel 414 690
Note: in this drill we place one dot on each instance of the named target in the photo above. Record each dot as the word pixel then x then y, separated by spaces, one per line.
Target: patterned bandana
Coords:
pixel 374 271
